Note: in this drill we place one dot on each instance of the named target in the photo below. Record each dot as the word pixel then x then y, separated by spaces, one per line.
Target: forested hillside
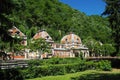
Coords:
pixel 56 18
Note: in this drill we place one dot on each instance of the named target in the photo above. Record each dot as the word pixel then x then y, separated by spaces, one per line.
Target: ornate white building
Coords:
pixel 69 46
pixel 15 32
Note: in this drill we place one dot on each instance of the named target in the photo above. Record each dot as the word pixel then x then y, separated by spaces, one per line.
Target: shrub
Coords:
pixel 71 68
pixel 57 69
pixel 104 65
pixel 53 61
pixel 90 65
pixel 98 76
pixel 61 66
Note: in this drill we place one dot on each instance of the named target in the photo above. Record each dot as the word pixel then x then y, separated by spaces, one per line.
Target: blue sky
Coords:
pixel 89 7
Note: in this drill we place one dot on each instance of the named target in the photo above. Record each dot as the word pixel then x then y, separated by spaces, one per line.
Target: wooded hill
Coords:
pixel 56 18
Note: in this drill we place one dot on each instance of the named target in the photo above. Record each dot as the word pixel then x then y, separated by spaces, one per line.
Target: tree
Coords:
pixel 7 7
pixel 13 47
pixel 107 49
pixel 39 45
pixel 113 12
pixel 97 48
pixel 57 18
pixel 93 46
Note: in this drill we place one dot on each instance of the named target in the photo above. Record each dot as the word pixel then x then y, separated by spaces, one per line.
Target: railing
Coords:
pixel 13 64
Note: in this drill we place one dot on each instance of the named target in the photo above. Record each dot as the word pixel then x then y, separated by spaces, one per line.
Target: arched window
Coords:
pixel 47 37
pixel 77 40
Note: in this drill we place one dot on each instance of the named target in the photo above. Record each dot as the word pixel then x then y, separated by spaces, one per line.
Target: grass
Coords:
pixel 113 75
pixel 69 76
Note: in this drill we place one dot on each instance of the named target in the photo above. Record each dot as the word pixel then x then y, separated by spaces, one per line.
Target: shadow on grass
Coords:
pixel 98 76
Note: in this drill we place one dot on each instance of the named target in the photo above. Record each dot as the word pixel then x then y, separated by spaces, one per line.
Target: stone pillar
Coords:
pixel 26 53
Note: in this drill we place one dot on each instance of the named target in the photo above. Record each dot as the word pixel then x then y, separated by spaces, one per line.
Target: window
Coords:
pixel 77 40
pixel 17 32
pixel 66 40
pixel 47 37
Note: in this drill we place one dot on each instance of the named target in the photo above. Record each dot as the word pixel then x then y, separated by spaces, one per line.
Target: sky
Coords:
pixel 89 7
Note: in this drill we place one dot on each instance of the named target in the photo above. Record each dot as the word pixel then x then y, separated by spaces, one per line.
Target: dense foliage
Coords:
pixel 56 18
pixel 58 66
pixel 54 66
pixel 113 12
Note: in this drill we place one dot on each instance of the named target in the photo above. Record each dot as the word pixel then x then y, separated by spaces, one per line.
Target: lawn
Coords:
pixel 73 75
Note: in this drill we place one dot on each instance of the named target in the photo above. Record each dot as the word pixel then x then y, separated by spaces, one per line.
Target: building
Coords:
pixel 15 32
pixel 69 46
pixel 43 34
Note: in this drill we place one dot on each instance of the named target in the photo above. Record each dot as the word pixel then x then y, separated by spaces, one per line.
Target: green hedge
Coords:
pixel 60 69
pixel 104 65
pixel 53 61
pixel 98 76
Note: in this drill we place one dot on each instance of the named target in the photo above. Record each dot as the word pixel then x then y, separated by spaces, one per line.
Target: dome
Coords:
pixel 15 32
pixel 42 34
pixel 70 39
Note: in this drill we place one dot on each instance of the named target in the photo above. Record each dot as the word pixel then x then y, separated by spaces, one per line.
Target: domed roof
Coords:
pixel 42 34
pixel 15 32
pixel 70 39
